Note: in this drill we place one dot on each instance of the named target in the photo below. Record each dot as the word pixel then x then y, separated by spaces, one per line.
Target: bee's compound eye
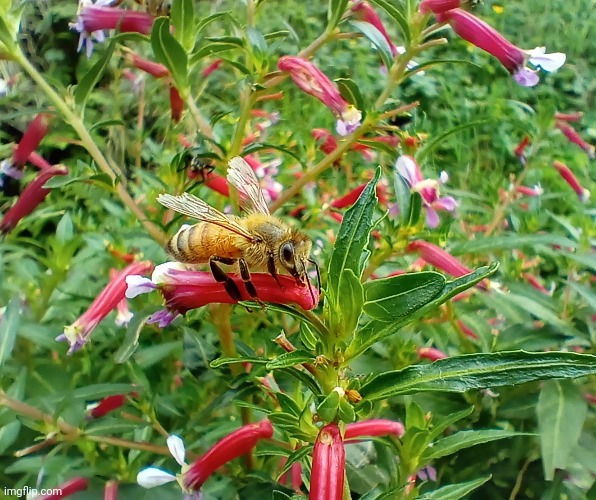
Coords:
pixel 287 253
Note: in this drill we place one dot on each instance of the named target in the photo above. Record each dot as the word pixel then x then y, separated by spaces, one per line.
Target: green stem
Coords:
pixel 199 119
pixel 246 103
pixel 87 142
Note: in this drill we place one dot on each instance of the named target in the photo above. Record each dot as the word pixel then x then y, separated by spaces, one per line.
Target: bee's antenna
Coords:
pixel 318 279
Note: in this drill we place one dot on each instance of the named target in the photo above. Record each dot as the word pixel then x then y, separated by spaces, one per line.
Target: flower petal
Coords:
pixel 549 62
pixel 152 476
pixel 526 77
pixel 176 447
pixel 137 285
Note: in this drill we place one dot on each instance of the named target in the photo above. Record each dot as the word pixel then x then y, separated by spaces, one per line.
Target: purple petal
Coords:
pixel 447 203
pixel 526 77
pixel 432 219
pixel 137 285
pixel 163 318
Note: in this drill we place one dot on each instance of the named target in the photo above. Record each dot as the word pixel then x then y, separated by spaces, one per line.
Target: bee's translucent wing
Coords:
pixel 196 208
pixel 243 178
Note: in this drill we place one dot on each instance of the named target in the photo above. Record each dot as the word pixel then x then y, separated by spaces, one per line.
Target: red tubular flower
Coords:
pixel 211 68
pixel 68 488
pixel 327 143
pixel 569 117
pixel 350 198
pixel 328 465
pixel 154 69
pixel 520 149
pixel 234 445
pixel 38 161
pixel 575 138
pixel 34 134
pixel 110 491
pixel 218 184
pixel 176 104
pixel 532 280
pixel 529 191
pixel 374 427
pixel 96 18
pixel 570 178
pixel 437 6
pixel 466 330
pixel 108 404
pixel 430 353
pixel 364 12
pixel 439 258
pixel 314 82
pixel 30 198
pixel 485 37
pixel 78 332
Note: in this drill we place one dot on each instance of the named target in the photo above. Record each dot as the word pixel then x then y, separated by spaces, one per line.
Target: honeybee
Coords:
pixel 156 8
pixel 256 242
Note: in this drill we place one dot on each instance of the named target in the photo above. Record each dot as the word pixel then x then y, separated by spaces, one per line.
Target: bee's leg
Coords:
pixel 273 271
pixel 250 286
pixel 221 277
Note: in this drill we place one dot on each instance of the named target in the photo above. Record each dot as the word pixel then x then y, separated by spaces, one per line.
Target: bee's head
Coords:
pixel 293 255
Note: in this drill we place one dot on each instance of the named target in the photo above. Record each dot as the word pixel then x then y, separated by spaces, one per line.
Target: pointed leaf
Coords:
pixel 397 16
pixel 455 491
pixel 170 53
pixel 335 12
pixel 184 23
pixel 8 328
pixel 89 81
pixel 377 39
pixel 561 414
pixel 289 359
pixel 464 439
pixel 478 371
pixel 390 298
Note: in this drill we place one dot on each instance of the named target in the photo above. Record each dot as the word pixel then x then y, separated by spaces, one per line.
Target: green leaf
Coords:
pixel 454 491
pixel 478 371
pixel 464 439
pixel 184 23
pixel 397 16
pixel 131 338
pixel 390 298
pixel 170 53
pixel 64 229
pixel 346 411
pixel 377 39
pixel 483 245
pixel 9 325
pixel 289 359
pixel 403 197
pixel 413 215
pixel 89 81
pixel 561 412
pixel 353 235
pixel 107 123
pixel 376 330
pixel 215 46
pixel 335 12
pixel 327 409
pixel 256 40
pixel 439 425
pixel 350 91
pixel 216 363
pixel 64 180
pixel 347 308
pixel 206 21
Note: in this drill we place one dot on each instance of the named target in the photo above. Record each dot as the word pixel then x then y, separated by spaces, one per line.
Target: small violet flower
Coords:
pixel 429 189
pixel 314 82
pixel 93 18
pixel 485 37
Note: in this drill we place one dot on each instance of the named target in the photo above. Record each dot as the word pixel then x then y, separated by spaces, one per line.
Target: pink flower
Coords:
pixel 110 490
pixel 520 150
pixel 266 173
pixel 437 6
pixel 34 134
pixel 184 290
pixel 123 314
pixel 569 117
pixel 429 189
pixel 211 68
pixel 66 489
pixel 30 198
pixel 485 37
pixel 37 161
pixel 92 19
pixel 77 334
pixel 156 70
pixel 234 445
pixel 530 191
pixel 176 104
pixel 439 258
pixel 430 353
pixel 569 177
pixel 328 465
pixel 314 82
pixel 575 138
pixel 374 428
pixel 107 405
